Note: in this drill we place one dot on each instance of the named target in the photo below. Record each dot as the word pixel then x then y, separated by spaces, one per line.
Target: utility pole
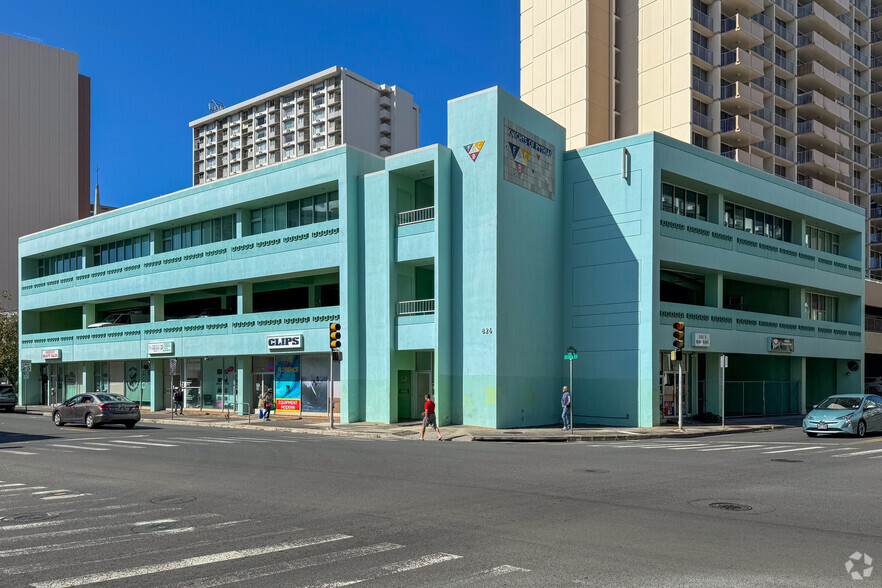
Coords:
pixel 571 355
pixel 336 334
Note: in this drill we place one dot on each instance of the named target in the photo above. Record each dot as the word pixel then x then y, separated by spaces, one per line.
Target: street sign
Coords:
pixel 26 366
pixel 701 340
pixel 724 361
pixel 571 356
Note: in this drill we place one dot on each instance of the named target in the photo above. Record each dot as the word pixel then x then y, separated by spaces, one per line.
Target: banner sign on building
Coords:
pixel 701 340
pixel 281 342
pixel 288 384
pixel 161 348
pixel 781 344
pixel 527 160
pixel 51 354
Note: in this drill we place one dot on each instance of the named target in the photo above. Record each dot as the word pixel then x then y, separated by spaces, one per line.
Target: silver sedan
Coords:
pixel 97 409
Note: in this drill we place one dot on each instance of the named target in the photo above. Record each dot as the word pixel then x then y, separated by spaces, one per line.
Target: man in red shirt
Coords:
pixel 429 418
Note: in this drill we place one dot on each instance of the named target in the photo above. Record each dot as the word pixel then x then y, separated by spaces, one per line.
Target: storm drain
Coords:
pixel 30 517
pixel 731 506
pixel 782 460
pixel 172 499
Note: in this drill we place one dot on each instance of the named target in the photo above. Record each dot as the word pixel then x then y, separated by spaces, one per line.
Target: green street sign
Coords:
pixel 571 356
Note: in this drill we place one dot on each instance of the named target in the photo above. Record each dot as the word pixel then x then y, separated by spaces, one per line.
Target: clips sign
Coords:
pixel 528 161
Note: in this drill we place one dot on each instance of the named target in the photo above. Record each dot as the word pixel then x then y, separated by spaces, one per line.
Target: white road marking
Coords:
pixel 188 563
pixel 796 449
pixel 16 452
pixel 732 447
pixel 283 567
pixel 78 447
pixel 60 533
pixel 855 453
pixel 214 440
pixel 22 488
pixel 93 443
pixel 690 446
pixel 12 484
pixel 65 496
pixel 265 440
pixel 156 522
pixel 484 575
pixel 395 568
pixel 51 491
pixel 149 443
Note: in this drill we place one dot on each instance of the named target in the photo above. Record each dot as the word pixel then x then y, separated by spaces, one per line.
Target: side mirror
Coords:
pixel 814 407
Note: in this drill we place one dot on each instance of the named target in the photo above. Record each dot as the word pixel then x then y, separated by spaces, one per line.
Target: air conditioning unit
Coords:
pixel 736 302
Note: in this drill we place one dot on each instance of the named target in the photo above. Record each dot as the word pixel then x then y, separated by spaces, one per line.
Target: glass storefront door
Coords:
pixel 261 383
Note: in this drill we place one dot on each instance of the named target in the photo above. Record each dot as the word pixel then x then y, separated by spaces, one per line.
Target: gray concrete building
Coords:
pixel 324 110
pixel 44 147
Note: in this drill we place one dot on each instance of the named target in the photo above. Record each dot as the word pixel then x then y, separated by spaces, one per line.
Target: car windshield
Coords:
pixel 111 398
pixel 841 403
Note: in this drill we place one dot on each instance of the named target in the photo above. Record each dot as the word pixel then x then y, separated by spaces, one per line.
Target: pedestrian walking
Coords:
pixel 267 407
pixel 429 418
pixel 178 398
pixel 565 401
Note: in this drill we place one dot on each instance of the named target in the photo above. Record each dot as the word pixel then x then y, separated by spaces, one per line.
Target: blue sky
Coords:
pixel 155 65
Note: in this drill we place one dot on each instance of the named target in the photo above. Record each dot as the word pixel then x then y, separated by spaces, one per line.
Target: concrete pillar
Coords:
pixel 244 298
pixel 847 381
pixel 797 302
pixel 243 385
pixel 157 308
pixel 713 290
pixel 712 383
pixel 88 315
pixel 88 261
pixel 798 379
pixel 88 376
pixel 155 241
pixel 243 223
pixel 158 394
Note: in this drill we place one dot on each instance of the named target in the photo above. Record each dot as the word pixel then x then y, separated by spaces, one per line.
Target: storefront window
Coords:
pixel 101 378
pixel 137 383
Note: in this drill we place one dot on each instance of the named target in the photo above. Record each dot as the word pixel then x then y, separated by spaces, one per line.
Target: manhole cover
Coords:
pixel 29 517
pixel 584 471
pixel 172 499
pixel 152 528
pixel 782 460
pixel 731 506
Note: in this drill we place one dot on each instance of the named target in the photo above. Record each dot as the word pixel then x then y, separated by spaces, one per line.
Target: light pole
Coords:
pixel 571 355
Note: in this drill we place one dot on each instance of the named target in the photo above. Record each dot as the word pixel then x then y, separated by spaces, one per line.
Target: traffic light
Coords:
pixel 679 341
pixel 336 335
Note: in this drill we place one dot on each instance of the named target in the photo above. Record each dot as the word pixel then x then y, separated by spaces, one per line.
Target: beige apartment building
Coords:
pixel 792 87
pixel 44 148
pixel 324 110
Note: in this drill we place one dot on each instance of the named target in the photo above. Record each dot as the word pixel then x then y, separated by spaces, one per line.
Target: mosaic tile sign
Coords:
pixel 527 160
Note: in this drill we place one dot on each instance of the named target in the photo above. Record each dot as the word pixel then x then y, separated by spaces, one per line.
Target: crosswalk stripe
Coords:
pixel 188 563
pixel 50 491
pixel 79 447
pixel 478 577
pixel 394 568
pixel 16 452
pixel 65 496
pixel 690 446
pixel 112 445
pixel 731 447
pixel 148 443
pixel 214 440
pixel 280 568
pixel 22 488
pixel 12 484
pixel 795 449
pixel 855 453
pixel 265 440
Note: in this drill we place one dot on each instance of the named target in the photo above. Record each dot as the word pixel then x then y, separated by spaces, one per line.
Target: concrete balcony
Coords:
pixel 814 17
pixel 746 157
pixel 835 7
pixel 813 46
pixel 814 76
pixel 814 134
pixel 825 188
pixel 741 65
pixel 748 7
pixel 739 98
pixel 824 167
pixel 740 31
pixel 740 130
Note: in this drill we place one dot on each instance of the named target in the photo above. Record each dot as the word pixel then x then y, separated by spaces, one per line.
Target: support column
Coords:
pixel 88 315
pixel 243 223
pixel 713 290
pixel 158 393
pixel 712 389
pixel 155 241
pixel 157 308
pixel 88 377
pixel 847 381
pixel 244 298
pixel 797 302
pixel 798 379
pixel 243 385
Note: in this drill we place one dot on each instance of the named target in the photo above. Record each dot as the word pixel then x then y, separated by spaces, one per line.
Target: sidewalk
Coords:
pixel 411 430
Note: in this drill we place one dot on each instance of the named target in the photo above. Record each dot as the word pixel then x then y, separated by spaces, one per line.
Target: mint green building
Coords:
pixel 462 271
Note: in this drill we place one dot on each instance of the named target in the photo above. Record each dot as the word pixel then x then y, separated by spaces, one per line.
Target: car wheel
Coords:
pixel 56 418
pixel 90 421
pixel 130 425
pixel 812 434
pixel 10 408
pixel 861 429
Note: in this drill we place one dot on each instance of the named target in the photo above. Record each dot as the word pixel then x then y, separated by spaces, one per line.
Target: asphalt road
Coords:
pixel 192 506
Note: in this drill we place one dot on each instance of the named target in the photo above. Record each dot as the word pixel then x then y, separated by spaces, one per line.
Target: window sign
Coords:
pixel 51 354
pixel 781 345
pixel 161 348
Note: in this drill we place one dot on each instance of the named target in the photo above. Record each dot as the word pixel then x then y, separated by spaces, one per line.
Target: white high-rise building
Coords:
pixel 327 109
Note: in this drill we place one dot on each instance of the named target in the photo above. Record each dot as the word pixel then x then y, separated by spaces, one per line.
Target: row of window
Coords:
pixel 684 202
pixel 121 250
pixel 819 307
pixel 822 240
pixel 57 264
pixel 199 233
pixel 296 213
pixel 756 222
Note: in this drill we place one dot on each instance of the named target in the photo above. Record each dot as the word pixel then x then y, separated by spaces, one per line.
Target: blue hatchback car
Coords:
pixel 855 414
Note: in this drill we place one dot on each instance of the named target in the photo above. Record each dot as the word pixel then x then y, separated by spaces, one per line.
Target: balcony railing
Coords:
pixel 787 5
pixel 764 83
pixel 763 52
pixel 785 64
pixel 876 188
pixel 702 120
pixel 876 137
pixel 703 86
pixel 875 112
pixel 763 113
pixel 764 20
pixel 703 53
pixel 862 6
pixel 783 152
pixel 863 84
pixel 876 212
pixel 416 307
pixel 862 56
pixel 420 215
pixel 784 122
pixel 783 92
pixel 703 19
pixel 861 30
pixel 785 34
pixel 876 163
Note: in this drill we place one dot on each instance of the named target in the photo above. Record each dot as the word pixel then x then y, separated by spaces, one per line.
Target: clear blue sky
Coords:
pixel 155 65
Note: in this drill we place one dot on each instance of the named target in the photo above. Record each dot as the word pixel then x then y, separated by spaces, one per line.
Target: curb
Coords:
pixel 589 437
pixel 241 425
